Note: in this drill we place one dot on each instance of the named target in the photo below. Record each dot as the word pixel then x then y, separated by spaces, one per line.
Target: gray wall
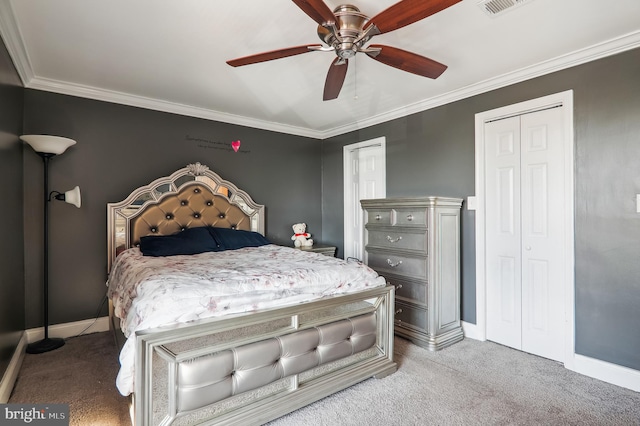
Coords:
pixel 120 148
pixel 11 243
pixel 433 153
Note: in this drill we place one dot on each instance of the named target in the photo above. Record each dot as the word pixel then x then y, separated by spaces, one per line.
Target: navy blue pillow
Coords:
pixel 189 241
pixel 232 239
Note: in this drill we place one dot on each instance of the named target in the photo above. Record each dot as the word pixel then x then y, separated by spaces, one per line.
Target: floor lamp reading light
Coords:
pixel 47 147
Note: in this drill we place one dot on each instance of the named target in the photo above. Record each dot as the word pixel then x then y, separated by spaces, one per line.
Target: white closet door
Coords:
pixel 524 232
pixel 542 233
pixel 503 241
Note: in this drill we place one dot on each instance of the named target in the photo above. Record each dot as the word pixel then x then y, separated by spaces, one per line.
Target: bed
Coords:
pixel 243 354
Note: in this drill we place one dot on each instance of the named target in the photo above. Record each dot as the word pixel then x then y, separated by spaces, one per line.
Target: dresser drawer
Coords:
pixel 398 264
pixel 379 216
pixel 411 291
pixel 410 217
pixel 407 315
pixel 398 239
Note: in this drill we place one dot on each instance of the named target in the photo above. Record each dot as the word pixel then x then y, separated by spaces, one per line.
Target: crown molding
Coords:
pixel 608 48
pixel 10 31
pixel 113 96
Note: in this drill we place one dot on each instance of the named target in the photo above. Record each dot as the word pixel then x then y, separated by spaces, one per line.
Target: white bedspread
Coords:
pixel 149 292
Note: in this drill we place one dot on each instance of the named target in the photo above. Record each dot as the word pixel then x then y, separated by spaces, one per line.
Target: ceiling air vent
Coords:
pixel 495 7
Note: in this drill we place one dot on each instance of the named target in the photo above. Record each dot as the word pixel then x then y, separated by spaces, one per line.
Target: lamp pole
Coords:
pixel 46 344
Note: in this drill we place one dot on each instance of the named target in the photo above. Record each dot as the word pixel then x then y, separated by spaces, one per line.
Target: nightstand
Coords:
pixel 320 248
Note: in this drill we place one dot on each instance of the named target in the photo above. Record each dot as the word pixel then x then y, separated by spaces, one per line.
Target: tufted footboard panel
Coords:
pixel 247 369
pixel 211 378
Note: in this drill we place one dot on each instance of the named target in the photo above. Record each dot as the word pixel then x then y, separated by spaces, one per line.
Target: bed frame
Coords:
pixel 248 368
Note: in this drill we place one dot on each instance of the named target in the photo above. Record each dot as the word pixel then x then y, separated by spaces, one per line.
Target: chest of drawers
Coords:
pixel 415 244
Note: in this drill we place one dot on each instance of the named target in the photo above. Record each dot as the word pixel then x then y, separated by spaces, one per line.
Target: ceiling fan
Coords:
pixel 346 31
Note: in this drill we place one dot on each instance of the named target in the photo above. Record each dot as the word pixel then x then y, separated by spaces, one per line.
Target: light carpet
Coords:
pixel 82 374
pixel 469 383
pixel 473 383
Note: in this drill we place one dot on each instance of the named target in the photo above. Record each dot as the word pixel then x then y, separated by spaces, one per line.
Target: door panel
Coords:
pixel 538 206
pixel 537 302
pixel 508 299
pixel 503 269
pixel 369 169
pixel 542 233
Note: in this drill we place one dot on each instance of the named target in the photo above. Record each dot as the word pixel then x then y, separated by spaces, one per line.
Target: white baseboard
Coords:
pixel 69 329
pixel 590 367
pixel 607 372
pixel 11 373
pixel 472 331
pixel 33 335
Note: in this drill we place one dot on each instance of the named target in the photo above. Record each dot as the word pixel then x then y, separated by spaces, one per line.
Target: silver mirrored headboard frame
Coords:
pixel 119 214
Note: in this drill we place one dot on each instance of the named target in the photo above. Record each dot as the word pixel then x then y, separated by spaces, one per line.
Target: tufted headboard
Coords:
pixel 191 197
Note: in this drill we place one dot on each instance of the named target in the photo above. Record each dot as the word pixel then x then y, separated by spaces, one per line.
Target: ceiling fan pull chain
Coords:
pixel 355 76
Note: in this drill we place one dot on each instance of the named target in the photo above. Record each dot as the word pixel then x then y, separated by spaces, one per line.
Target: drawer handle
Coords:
pixel 409 217
pixel 393 265
pixel 378 217
pixel 399 286
pixel 391 240
pixel 399 311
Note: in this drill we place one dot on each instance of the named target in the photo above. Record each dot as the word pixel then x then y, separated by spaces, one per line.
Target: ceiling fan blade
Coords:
pixel 317 10
pixel 273 54
pixel 407 61
pixel 335 79
pixel 406 12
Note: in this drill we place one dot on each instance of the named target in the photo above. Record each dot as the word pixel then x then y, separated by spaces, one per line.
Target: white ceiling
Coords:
pixel 170 55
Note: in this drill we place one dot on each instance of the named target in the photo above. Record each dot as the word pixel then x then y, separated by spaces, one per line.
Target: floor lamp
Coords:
pixel 47 147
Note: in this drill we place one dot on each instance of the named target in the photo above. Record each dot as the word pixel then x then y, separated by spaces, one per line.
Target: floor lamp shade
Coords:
pixel 48 144
pixel 47 147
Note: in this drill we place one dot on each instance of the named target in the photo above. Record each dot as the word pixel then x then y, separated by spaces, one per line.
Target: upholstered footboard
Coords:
pixel 249 369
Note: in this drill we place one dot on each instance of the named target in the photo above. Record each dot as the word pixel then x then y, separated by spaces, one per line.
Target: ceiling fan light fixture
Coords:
pixel 346 50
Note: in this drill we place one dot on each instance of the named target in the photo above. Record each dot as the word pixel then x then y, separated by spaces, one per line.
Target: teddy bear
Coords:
pixel 301 238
